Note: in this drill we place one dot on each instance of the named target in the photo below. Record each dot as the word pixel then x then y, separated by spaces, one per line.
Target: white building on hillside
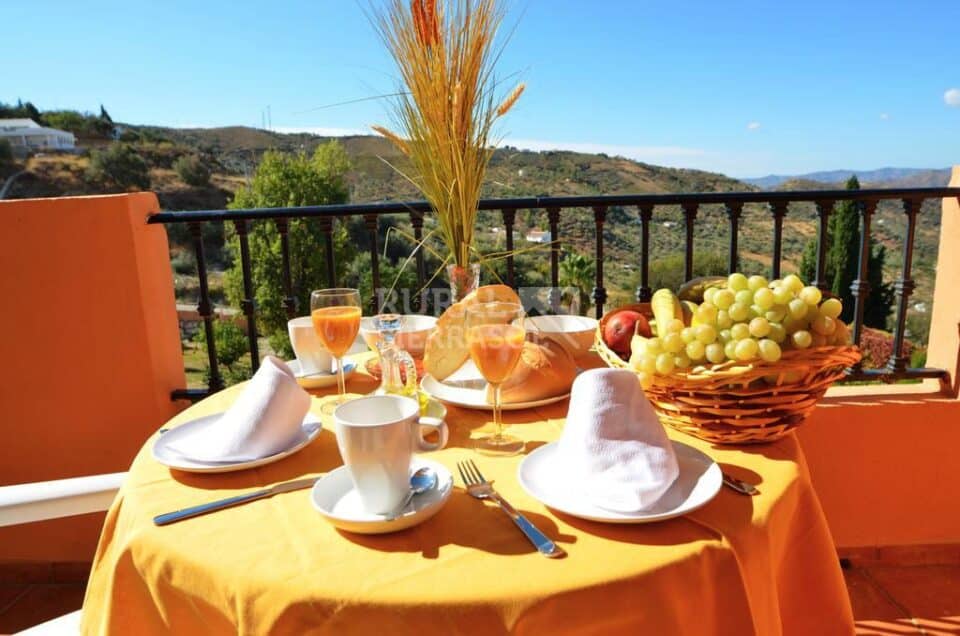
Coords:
pixel 27 135
pixel 539 236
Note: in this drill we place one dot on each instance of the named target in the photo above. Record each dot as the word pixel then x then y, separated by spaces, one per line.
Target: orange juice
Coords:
pixel 495 349
pixel 336 327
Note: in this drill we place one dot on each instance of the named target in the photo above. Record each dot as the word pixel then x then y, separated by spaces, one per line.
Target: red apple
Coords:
pixel 619 330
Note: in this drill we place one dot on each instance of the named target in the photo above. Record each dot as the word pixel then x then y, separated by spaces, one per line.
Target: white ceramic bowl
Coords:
pixel 573 333
pixel 412 335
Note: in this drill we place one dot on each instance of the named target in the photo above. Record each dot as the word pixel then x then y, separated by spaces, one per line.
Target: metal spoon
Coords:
pixel 420 482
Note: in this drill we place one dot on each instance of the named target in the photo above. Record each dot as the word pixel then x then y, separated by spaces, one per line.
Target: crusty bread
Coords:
pixel 545 369
pixel 446 349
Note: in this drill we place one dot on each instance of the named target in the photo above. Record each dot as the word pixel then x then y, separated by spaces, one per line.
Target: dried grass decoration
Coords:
pixel 445 113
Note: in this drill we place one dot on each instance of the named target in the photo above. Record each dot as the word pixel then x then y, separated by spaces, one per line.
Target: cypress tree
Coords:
pixel 842 261
pixel 844 251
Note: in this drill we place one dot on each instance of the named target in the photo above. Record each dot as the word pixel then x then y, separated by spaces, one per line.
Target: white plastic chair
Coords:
pixel 26 503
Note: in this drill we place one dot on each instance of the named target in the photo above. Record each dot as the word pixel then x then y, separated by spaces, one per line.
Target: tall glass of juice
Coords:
pixel 336 319
pixel 495 337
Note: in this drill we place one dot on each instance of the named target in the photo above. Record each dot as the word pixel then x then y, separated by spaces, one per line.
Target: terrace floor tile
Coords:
pixel 929 593
pixel 39 603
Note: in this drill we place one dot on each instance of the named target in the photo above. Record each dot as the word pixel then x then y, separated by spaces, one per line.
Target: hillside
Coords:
pixel 233 153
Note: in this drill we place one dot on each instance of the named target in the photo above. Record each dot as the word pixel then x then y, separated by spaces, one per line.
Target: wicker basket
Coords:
pixel 737 402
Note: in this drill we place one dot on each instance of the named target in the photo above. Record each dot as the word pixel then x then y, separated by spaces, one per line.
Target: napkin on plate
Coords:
pixel 613 444
pixel 266 419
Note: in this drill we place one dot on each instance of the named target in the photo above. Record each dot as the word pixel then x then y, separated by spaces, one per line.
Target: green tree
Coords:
pixel 192 170
pixel 81 124
pixel 102 125
pixel 232 347
pixel 576 270
pixel 288 180
pixel 842 262
pixel 20 110
pixel 119 167
pixel 69 120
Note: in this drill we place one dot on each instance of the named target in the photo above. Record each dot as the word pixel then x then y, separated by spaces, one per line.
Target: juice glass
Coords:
pixel 336 319
pixel 495 337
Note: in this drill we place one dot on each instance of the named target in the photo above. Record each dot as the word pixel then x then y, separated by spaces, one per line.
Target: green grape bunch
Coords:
pixel 743 319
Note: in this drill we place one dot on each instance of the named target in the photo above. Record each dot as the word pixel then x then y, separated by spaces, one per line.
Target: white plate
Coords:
pixel 545 479
pixel 323 379
pixel 334 497
pixel 466 388
pixel 169 457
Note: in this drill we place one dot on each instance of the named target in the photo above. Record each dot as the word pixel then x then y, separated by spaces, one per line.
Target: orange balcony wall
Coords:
pixel 883 459
pixel 91 350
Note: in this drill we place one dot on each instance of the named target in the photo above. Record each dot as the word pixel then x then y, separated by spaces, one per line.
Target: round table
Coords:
pixel 740 565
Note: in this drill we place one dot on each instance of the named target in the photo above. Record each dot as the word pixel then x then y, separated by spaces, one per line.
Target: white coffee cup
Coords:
pixel 377 436
pixel 311 354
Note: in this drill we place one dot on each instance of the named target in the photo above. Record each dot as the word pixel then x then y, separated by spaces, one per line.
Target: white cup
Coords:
pixel 311 354
pixel 377 436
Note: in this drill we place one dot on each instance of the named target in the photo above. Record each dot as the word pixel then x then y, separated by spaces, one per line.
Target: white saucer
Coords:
pixel 169 457
pixel 335 498
pixel 466 388
pixel 544 478
pixel 322 379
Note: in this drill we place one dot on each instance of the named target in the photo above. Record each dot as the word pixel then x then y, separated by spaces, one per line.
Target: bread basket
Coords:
pixel 740 402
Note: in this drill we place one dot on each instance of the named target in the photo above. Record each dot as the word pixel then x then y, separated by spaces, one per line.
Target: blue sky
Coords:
pixel 741 87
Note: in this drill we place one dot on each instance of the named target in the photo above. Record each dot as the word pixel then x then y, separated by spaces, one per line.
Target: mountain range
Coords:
pixel 880 178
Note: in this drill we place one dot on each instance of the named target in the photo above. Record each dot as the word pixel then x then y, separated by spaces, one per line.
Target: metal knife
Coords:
pixel 220 504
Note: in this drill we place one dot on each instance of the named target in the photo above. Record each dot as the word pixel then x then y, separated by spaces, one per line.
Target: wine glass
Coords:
pixel 336 319
pixel 495 337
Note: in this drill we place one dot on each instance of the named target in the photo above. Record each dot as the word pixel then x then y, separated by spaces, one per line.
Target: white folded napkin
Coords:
pixel 266 419
pixel 613 445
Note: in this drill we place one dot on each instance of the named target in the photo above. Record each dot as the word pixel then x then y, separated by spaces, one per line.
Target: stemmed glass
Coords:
pixel 495 337
pixel 336 319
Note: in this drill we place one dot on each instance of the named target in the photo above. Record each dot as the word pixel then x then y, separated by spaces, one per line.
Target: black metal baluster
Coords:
pixel 370 220
pixel 861 286
pixel 904 287
pixel 599 291
pixel 779 211
pixel 734 210
pixel 289 301
pixel 416 220
pixel 509 220
pixel 205 309
pixel 824 208
pixel 326 226
pixel 248 304
pixel 644 293
pixel 690 217
pixel 553 215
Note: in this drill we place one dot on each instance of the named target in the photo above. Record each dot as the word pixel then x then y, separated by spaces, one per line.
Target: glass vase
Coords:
pixel 463 280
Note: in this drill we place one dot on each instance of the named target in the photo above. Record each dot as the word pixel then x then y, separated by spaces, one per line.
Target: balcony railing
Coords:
pixel 733 203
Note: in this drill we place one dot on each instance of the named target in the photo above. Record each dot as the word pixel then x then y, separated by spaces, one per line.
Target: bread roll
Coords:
pixel 446 349
pixel 545 370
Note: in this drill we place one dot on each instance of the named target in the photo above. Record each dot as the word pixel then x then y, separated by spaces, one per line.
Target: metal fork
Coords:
pixel 480 488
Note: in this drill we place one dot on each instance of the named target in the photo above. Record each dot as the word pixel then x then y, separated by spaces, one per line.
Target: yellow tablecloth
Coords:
pixel 763 565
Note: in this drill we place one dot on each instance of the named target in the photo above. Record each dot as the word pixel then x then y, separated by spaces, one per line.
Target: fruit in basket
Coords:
pixel 619 330
pixel 741 319
pixel 695 289
pixel 665 308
